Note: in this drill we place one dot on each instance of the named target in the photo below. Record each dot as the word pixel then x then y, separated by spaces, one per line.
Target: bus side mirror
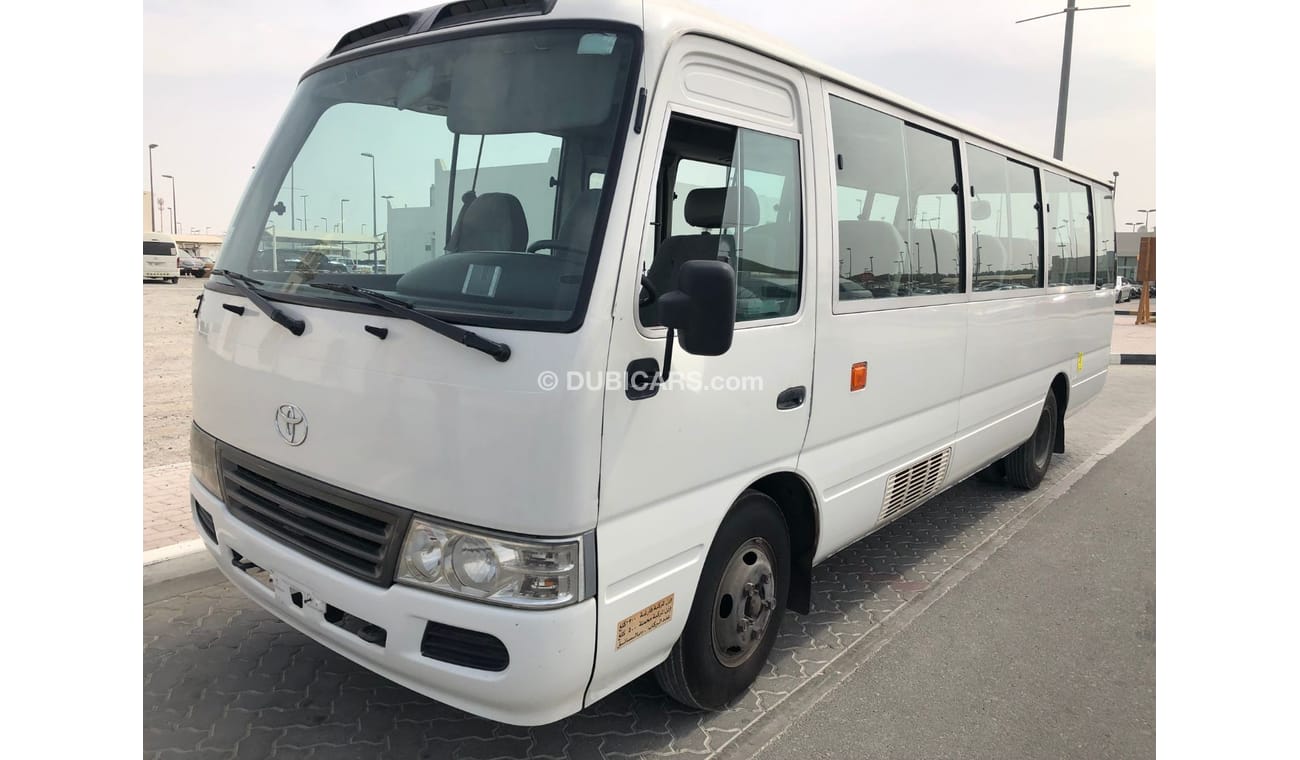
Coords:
pixel 702 310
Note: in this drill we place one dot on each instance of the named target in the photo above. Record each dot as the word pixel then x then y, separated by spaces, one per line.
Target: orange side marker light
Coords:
pixel 858 377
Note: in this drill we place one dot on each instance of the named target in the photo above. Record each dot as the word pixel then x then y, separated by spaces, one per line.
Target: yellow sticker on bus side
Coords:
pixel 638 624
pixel 1080 366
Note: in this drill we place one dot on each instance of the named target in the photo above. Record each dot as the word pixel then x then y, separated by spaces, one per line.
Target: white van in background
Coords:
pixel 161 257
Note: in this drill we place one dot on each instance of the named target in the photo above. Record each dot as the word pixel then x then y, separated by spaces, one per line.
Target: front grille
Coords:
pixel 347 531
pixel 460 646
pixel 914 484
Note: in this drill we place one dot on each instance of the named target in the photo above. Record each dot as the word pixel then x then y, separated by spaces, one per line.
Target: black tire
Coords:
pixel 695 673
pixel 994 473
pixel 1027 465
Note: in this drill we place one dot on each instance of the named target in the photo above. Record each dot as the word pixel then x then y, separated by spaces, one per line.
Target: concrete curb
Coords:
pixel 1148 359
pixel 176 561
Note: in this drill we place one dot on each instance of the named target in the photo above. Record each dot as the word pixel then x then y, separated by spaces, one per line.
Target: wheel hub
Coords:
pixel 744 603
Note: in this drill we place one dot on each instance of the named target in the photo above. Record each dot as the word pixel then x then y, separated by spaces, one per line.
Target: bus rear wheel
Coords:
pixel 737 611
pixel 1027 465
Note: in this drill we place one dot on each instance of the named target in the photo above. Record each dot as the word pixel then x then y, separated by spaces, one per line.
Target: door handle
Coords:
pixel 791 398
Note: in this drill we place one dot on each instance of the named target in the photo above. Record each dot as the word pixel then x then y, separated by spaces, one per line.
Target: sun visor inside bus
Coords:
pixel 550 90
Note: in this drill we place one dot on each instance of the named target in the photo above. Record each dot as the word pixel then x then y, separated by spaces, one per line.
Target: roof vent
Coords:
pixel 374 32
pixel 470 11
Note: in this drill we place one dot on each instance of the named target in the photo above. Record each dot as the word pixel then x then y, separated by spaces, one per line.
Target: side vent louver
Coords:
pixel 914 484
pixel 469 11
pixel 379 30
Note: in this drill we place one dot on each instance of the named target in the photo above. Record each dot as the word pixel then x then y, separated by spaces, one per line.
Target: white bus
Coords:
pixel 755 310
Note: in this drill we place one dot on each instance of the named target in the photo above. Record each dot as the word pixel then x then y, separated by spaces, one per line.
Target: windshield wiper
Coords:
pixel 398 307
pixel 245 285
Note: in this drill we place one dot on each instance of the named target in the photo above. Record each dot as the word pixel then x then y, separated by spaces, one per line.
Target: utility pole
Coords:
pixel 374 203
pixel 153 222
pixel 175 228
pixel 1058 149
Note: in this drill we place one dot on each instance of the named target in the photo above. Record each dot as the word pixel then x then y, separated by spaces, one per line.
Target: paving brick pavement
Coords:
pixel 167 506
pixel 223 678
pixel 1129 338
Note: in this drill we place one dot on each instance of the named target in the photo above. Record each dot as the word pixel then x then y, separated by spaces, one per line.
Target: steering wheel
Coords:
pixel 555 246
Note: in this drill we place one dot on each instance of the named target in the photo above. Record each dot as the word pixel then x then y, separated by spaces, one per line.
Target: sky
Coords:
pixel 217 76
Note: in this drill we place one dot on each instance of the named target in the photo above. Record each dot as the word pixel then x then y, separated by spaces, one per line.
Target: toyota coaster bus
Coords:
pixel 669 315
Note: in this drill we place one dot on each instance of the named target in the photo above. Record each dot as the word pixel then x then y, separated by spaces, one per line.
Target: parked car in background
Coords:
pixel 195 265
pixel 1126 291
pixel 1151 289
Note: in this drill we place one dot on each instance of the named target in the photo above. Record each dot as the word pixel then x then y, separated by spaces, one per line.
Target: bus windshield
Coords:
pixel 466 177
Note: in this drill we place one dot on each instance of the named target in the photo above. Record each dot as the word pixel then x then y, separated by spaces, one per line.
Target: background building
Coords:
pixel 1126 254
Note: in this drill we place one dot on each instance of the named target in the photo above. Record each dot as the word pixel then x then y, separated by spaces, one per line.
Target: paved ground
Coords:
pixel 223 678
pixel 168 332
pixel 1129 338
pixel 1047 651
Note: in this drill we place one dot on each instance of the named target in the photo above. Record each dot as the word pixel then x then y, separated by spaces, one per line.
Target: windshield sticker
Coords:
pixel 596 44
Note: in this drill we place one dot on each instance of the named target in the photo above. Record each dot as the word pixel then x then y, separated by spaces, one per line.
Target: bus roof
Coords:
pixel 663 21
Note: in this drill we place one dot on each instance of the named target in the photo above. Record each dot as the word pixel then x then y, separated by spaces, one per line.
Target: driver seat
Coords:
pixel 490 222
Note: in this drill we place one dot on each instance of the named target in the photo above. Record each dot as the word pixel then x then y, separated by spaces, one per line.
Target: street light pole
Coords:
pixel 1058 149
pixel 153 222
pixel 173 179
pixel 1145 220
pixel 304 211
pixel 374 214
pixel 341 202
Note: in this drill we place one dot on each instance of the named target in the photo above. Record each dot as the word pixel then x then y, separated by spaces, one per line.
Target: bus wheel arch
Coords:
pixel 1061 389
pixel 795 499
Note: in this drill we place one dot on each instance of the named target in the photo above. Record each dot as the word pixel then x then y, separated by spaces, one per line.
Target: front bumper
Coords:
pixel 550 651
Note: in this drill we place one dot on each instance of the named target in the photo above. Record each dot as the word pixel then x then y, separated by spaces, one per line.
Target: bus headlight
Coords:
pixel 203 459
pixel 498 569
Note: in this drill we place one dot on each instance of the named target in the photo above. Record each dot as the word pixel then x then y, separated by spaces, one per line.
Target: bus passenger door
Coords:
pixel 722 176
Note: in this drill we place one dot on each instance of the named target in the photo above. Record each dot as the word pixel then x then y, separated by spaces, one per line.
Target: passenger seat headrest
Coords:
pixel 491 222
pixel 714 207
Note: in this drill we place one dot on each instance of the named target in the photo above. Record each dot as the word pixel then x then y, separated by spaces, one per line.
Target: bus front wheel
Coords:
pixel 1027 465
pixel 737 610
